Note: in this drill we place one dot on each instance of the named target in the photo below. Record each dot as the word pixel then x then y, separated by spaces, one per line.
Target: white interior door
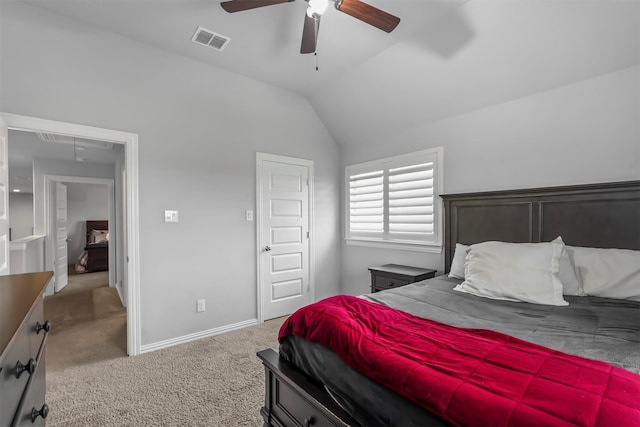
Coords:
pixel 4 199
pixel 60 232
pixel 284 237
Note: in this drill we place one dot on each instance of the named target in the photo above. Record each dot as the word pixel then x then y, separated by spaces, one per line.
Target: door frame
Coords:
pixel 260 158
pixel 130 142
pixel 49 210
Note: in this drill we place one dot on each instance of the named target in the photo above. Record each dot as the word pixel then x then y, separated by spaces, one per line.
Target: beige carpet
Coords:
pixel 215 381
pixel 88 322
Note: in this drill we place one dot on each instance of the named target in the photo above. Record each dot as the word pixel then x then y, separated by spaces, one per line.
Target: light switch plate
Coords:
pixel 248 215
pixel 170 216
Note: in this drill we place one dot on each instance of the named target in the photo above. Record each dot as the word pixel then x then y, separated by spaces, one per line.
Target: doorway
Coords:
pixel 129 187
pixel 284 225
pixel 75 233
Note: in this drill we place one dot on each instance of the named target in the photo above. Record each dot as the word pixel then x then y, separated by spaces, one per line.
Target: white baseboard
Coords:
pixel 196 336
pixel 121 294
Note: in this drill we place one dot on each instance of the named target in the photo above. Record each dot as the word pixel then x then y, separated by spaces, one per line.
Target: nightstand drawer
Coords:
pixel 382 282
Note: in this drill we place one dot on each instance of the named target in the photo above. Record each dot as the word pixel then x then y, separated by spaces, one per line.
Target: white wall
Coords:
pixel 586 132
pixel 20 215
pixel 199 129
pixel 84 202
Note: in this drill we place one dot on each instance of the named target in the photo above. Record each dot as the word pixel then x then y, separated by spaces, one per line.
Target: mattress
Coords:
pixel 595 328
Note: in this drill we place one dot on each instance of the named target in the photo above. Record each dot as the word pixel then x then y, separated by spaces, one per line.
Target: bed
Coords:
pixel 95 256
pixel 301 387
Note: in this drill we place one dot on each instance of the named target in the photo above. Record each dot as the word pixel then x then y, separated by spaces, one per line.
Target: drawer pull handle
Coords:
pixel 46 327
pixel 43 412
pixel 29 367
pixel 309 421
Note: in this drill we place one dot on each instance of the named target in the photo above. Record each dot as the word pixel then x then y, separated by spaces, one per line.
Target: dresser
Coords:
pixel 23 334
pixel 394 275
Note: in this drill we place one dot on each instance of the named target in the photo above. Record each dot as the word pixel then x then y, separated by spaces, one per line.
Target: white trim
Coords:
pixel 261 157
pixel 130 142
pixel 196 336
pixel 433 248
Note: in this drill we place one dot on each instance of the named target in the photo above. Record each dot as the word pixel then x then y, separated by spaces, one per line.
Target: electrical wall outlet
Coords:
pixel 201 305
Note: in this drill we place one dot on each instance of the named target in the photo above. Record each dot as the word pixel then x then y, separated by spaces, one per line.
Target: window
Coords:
pixel 394 201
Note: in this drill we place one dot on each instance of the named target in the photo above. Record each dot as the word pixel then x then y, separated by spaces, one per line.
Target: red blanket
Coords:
pixel 469 377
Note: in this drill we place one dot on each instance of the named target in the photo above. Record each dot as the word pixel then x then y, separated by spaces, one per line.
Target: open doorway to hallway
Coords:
pixel 71 184
pixel 81 140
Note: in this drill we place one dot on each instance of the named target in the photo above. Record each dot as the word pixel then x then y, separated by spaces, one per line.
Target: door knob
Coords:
pixel 267 248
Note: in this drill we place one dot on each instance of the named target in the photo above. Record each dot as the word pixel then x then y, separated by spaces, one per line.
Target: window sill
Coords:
pixel 405 246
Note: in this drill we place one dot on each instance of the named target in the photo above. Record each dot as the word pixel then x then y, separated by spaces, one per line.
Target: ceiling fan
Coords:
pixel 356 8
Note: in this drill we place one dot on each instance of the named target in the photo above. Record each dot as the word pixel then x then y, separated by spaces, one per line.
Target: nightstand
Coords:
pixel 390 276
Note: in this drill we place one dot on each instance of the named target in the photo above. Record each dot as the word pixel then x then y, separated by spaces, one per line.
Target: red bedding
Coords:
pixel 469 377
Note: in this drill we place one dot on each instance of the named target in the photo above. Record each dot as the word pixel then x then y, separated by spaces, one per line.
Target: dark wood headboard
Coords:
pixel 594 215
pixel 102 224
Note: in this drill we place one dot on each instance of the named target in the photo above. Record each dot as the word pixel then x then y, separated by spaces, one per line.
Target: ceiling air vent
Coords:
pixel 210 39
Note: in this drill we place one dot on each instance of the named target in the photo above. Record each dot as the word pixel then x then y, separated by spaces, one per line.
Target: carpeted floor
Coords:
pixel 89 322
pixel 216 381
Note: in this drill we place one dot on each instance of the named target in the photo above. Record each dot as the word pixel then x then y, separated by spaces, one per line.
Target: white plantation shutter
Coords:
pixel 395 200
pixel 411 201
pixel 366 202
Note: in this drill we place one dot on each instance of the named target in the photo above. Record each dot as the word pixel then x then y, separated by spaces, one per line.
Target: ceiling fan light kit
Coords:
pixel 317 8
pixel 355 8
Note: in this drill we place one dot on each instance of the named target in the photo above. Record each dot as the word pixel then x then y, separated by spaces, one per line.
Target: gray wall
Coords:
pixel 586 132
pixel 84 202
pixel 20 215
pixel 199 129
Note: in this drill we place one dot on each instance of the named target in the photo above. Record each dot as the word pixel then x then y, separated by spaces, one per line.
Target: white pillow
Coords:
pixel 514 271
pixel 567 274
pixel 609 273
pixel 457 265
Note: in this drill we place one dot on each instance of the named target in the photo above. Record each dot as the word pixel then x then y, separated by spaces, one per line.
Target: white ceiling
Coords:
pixel 446 58
pixel 25 146
pixel 265 42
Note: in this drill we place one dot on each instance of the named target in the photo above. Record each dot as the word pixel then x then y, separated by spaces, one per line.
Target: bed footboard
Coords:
pixel 292 399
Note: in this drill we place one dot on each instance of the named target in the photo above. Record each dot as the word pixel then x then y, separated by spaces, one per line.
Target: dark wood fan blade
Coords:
pixel 240 5
pixel 310 34
pixel 369 14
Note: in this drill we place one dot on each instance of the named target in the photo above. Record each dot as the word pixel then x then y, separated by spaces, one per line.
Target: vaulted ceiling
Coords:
pixel 447 57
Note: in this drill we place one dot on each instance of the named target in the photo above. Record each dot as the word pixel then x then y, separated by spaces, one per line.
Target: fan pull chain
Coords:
pixel 316 55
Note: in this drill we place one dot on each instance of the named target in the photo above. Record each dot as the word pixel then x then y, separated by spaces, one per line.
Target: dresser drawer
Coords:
pixel 292 409
pixel 24 349
pixel 384 282
pixel 33 399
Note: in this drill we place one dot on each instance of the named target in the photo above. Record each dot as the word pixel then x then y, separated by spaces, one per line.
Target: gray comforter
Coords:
pixel 595 328
pixel 591 327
